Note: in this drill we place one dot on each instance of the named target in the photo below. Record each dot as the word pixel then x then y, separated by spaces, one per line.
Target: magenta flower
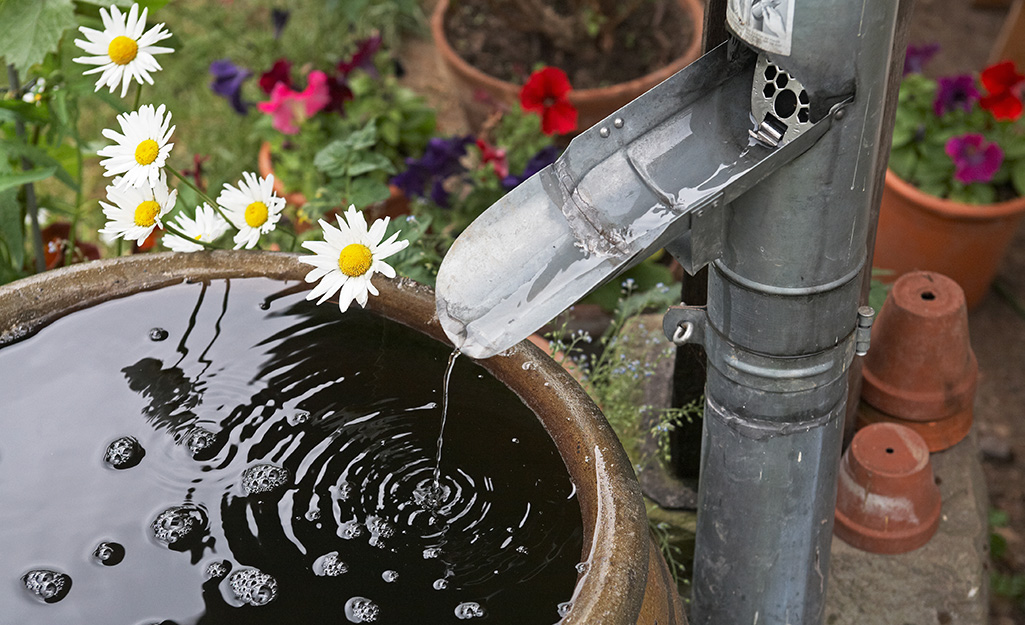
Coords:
pixel 955 92
pixel 975 159
pixel 363 58
pixel 290 108
pixel 918 56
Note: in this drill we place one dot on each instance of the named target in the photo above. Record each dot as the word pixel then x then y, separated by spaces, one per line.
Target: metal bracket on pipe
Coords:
pixel 685 324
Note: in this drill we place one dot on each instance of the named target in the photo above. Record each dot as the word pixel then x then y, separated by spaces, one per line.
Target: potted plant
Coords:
pixel 610 50
pixel 336 140
pixel 955 188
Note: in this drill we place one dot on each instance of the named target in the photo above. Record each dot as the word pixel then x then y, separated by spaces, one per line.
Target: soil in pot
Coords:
pixel 487 35
pixel 228 452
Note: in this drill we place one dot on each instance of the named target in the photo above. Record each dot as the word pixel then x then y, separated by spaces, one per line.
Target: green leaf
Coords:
pixel 1018 176
pixel 370 161
pixel 334 159
pixel 11 181
pixel 903 161
pixel 11 227
pixel 33 29
pixel 366 191
pixel 40 159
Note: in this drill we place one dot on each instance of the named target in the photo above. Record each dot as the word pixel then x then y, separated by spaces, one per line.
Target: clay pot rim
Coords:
pixel 951 209
pixel 576 96
pixel 895 430
pixel 616 542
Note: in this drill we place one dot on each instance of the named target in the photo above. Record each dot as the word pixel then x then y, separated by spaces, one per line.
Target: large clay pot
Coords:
pixel 966 242
pixel 593 105
pixel 627 579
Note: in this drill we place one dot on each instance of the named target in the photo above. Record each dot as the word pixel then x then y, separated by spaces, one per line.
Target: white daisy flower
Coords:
pixel 348 257
pixel 208 226
pixel 142 149
pixel 136 211
pixel 121 49
pixel 253 208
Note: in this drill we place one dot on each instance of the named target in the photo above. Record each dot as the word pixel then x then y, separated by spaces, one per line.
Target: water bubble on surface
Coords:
pixel 176 524
pixel 328 565
pixel 440 584
pixel 582 567
pixel 312 515
pixel 521 549
pixel 298 417
pixel 390 576
pixel 564 608
pixel 343 490
pixel 527 366
pixel 218 569
pixel 253 586
pixel 515 440
pixel 263 478
pixel 379 527
pixel 109 553
pixel 48 586
pixel 124 453
pixel 361 610
pixel 432 552
pixel 350 529
pixel 157 334
pixel 199 440
pixel 468 610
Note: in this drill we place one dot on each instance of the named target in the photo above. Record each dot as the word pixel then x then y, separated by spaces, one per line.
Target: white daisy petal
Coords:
pixel 348 257
pixel 122 48
pixel 141 149
pixel 136 212
pixel 252 207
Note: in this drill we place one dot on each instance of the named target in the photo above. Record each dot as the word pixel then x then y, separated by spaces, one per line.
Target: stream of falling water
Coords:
pixel 436 484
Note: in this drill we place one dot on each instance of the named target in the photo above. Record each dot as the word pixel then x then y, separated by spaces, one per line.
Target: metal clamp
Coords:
pixel 863 333
pixel 685 324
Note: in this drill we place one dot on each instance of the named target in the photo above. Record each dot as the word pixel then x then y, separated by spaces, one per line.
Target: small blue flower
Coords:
pixel 227 83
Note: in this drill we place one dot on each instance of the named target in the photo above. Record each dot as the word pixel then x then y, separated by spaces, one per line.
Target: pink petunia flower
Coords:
pixel 290 108
pixel 975 159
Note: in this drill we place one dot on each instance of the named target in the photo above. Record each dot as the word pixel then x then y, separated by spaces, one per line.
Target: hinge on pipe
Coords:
pixel 863 333
pixel 685 324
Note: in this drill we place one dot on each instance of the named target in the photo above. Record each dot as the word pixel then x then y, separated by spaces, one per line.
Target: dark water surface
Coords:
pixel 229 453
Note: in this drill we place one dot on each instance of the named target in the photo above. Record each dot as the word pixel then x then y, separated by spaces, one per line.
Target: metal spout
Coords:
pixel 645 177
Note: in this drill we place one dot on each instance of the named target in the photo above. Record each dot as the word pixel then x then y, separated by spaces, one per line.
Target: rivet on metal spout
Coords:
pixel 863 334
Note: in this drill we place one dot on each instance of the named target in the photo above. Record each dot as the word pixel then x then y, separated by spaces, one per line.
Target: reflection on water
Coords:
pixel 280 456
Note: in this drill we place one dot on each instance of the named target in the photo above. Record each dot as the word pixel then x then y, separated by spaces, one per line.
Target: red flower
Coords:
pixel 56 239
pixel 494 155
pixel 545 93
pixel 1004 85
pixel 280 72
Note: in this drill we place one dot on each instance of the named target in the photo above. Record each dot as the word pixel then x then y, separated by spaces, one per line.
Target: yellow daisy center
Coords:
pixel 146 213
pixel 146 152
pixel 122 50
pixel 256 214
pixel 355 259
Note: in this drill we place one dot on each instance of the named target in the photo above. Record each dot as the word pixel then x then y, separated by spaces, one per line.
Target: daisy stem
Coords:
pixel 138 97
pixel 202 196
pixel 178 233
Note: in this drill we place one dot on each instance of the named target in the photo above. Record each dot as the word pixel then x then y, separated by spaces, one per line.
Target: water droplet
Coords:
pixel 109 553
pixel 312 515
pixel 328 565
pixel 564 608
pixel 582 567
pixel 253 586
pixel 200 440
pixel 265 305
pixel 432 552
pixel 263 478
pixel 361 610
pixel 217 570
pixel 174 526
pixel 298 418
pixel 390 576
pixel 515 440
pixel 379 527
pixel 343 490
pixel 521 549
pixel 157 334
pixel 48 586
pixel 468 610
pixel 527 366
pixel 124 453
pixel 350 529
pixel 440 584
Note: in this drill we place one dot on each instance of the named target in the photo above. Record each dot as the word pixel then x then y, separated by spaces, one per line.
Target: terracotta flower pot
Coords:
pixel 396 205
pixel 887 501
pixel 963 241
pixel 593 105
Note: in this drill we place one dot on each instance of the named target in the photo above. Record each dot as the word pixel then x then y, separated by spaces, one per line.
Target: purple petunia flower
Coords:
pixel 546 156
pixel 975 159
pixel 227 83
pixel 441 160
pixel 363 58
pixel 917 56
pixel 955 92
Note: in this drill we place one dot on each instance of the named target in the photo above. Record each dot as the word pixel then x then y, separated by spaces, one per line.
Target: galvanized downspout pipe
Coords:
pixel 781 331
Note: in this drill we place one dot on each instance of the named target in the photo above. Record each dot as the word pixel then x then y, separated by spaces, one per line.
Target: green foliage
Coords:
pixel 918 153
pixel 392 18
pixel 32 30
